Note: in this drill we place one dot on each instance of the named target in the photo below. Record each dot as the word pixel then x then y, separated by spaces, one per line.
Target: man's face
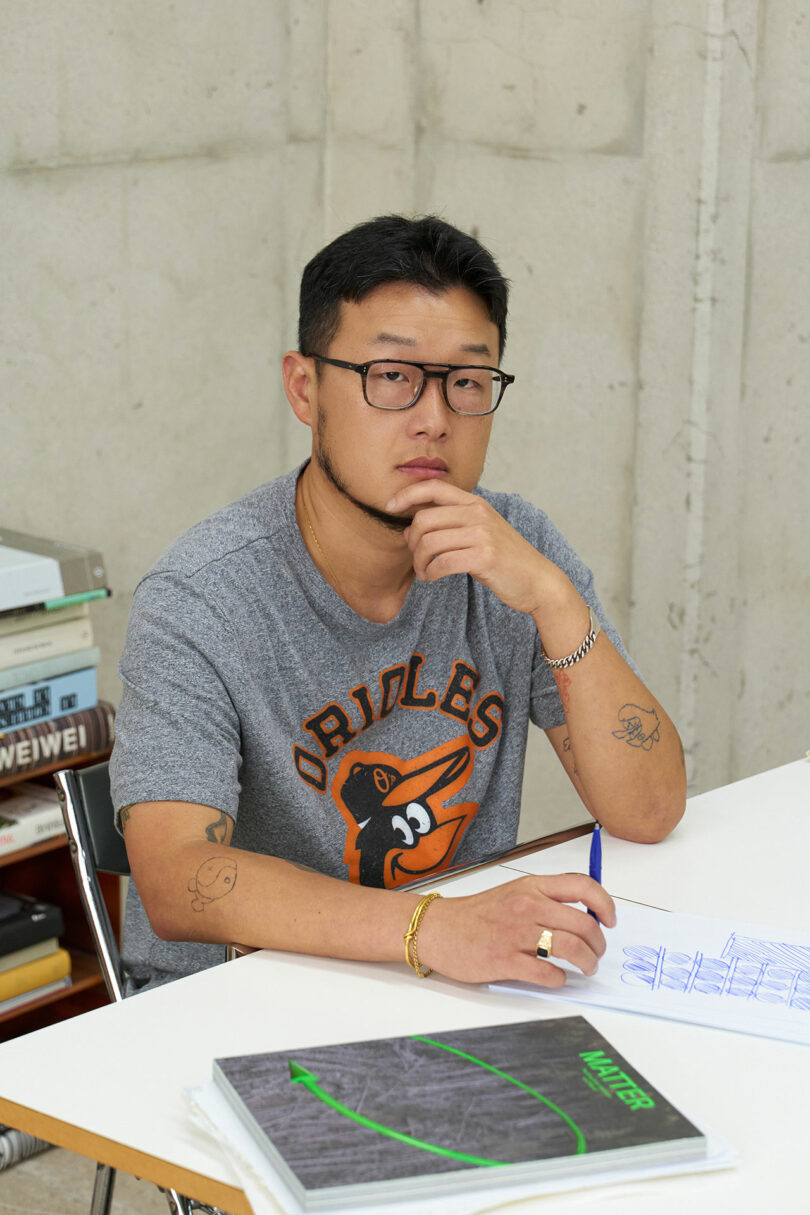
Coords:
pixel 368 454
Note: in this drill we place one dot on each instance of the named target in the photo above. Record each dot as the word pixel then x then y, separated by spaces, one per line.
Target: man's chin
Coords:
pixel 396 523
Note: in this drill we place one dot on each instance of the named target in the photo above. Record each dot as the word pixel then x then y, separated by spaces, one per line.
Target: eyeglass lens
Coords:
pixel 396 385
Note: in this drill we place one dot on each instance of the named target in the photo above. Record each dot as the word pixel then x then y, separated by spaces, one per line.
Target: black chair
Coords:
pixel 96 847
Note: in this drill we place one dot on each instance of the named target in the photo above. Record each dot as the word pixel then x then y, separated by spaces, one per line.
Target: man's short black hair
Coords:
pixel 426 252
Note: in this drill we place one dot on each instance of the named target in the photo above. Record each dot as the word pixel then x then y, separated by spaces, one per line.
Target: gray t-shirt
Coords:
pixel 374 752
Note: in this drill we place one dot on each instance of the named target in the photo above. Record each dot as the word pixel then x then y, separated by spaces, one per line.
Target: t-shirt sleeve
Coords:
pixel 177 731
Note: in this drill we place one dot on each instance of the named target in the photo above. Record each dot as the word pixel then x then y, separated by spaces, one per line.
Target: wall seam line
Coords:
pixel 698 420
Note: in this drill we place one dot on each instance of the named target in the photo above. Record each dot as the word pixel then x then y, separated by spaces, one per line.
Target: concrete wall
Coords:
pixel 640 168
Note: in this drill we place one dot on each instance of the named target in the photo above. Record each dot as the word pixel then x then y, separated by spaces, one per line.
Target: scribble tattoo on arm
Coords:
pixel 217 832
pixel 125 816
pixel 215 878
pixel 640 727
pixel 567 748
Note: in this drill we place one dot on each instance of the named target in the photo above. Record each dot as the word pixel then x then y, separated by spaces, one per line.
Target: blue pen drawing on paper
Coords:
pixel 754 978
pixel 770 972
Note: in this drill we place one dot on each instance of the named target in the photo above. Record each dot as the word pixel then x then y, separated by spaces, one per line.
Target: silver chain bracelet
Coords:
pixel 559 664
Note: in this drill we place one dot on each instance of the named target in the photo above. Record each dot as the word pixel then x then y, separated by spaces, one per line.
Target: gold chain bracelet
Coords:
pixel 411 956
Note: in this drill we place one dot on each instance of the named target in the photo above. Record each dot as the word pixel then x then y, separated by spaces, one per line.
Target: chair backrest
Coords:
pixel 106 841
pixel 95 846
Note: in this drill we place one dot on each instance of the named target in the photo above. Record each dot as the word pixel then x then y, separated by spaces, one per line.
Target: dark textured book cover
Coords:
pixel 546 1097
pixel 25 921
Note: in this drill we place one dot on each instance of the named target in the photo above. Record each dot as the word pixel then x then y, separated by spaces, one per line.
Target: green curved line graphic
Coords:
pixel 569 1122
pixel 300 1075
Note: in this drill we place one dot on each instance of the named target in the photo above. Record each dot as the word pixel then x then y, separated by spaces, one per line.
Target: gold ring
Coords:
pixel 544 944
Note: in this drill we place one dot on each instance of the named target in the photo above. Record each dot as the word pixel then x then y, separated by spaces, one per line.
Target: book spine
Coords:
pixel 34 974
pixel 46 642
pixel 25 752
pixel 36 922
pixel 32 829
pixel 33 570
pixel 24 620
pixel 49 668
pixel 28 997
pixel 17 617
pixel 27 577
pixel 49 699
pixel 20 956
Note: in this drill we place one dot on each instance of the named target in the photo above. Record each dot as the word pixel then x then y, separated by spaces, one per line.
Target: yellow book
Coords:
pixel 21 979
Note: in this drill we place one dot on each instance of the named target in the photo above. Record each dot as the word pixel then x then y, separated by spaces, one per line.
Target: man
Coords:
pixel 333 677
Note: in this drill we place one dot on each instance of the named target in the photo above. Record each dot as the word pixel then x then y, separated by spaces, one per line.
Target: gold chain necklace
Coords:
pixel 333 576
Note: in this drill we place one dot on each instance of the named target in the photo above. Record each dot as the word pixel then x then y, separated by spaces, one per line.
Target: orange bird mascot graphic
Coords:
pixel 399 824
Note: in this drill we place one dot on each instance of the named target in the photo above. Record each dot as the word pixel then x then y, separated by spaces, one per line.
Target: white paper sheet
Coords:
pixel 268 1195
pixel 730 975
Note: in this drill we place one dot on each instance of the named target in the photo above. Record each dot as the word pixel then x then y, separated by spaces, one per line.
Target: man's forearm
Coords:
pixel 194 886
pixel 221 894
pixel 267 903
pixel 624 751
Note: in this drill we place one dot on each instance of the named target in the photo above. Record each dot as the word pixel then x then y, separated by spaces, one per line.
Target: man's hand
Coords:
pixel 618 746
pixel 485 937
pixel 454 532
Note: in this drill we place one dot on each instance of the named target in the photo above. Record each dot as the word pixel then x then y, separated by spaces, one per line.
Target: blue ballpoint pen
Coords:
pixel 595 859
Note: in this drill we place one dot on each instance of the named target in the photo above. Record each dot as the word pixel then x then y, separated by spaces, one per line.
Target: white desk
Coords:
pixel 741 852
pixel 110 1083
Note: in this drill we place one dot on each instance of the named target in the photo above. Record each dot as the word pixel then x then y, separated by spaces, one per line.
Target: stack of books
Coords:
pixel 29 814
pixel 32 963
pixel 49 708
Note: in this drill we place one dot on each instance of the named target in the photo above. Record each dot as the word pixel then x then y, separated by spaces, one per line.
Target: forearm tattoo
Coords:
pixel 217 832
pixel 567 747
pixel 640 727
pixel 563 682
pixel 215 878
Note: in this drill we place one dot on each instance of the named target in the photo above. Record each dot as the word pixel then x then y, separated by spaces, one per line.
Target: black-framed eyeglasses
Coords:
pixel 397 384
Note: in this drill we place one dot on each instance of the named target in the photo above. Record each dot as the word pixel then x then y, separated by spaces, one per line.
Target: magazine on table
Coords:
pixel 433 1114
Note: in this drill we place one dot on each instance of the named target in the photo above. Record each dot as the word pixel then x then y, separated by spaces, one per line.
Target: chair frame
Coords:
pixel 84 864
pixel 84 857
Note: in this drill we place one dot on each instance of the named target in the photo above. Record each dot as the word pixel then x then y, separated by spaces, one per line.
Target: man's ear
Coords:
pixel 300 385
